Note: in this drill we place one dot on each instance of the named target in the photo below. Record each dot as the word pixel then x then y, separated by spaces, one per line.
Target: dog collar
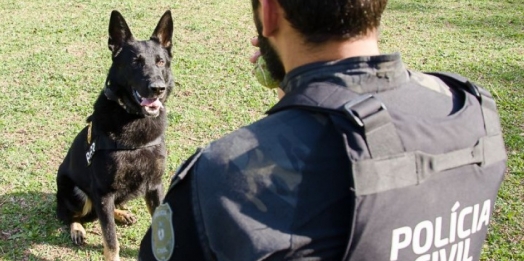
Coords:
pixel 110 95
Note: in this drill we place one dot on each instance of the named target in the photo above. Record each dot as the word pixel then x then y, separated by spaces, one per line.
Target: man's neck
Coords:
pixel 295 53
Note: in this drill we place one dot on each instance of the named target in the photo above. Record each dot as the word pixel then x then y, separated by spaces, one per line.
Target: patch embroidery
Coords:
pixel 162 233
pixel 90 153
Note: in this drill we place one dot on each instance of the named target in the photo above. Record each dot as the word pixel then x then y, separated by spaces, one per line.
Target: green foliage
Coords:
pixel 54 59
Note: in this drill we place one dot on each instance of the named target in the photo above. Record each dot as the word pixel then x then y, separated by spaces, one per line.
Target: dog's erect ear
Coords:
pixel 164 31
pixel 119 32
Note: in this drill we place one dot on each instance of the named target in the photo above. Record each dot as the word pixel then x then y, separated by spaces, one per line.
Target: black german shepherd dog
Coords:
pixel 121 154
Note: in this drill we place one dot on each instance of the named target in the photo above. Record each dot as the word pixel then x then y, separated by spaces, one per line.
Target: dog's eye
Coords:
pixel 160 63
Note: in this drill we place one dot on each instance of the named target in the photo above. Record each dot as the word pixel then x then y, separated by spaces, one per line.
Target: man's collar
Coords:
pixel 360 74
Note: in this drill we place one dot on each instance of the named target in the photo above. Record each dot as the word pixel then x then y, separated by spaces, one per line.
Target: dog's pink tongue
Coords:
pixel 151 103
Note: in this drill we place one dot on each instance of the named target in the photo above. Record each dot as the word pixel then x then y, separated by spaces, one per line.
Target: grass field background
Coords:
pixel 54 59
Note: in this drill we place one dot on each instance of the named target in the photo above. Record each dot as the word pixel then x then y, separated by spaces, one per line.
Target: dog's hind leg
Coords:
pixel 73 207
pixel 78 233
pixel 72 202
pixel 87 204
pixel 64 196
pixel 124 217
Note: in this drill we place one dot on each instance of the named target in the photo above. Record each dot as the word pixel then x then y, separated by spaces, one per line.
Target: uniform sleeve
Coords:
pixel 185 235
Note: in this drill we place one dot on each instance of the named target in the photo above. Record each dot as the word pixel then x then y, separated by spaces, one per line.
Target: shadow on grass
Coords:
pixel 29 230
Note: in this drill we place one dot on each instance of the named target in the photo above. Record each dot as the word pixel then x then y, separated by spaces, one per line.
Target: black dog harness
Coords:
pixel 100 141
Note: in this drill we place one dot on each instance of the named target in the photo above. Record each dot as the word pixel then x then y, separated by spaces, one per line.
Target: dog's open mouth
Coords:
pixel 151 106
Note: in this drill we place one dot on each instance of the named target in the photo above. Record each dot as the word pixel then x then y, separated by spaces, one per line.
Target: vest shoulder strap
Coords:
pixel 365 111
pixel 489 109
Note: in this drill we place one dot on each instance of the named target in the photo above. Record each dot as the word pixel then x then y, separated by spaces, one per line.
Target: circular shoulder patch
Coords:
pixel 162 233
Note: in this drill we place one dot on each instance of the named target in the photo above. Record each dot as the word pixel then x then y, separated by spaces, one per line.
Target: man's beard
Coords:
pixel 270 55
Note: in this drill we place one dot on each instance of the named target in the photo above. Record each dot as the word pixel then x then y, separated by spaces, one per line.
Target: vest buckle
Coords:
pixel 362 107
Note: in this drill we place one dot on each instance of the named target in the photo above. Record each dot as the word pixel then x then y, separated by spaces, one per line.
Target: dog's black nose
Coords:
pixel 157 87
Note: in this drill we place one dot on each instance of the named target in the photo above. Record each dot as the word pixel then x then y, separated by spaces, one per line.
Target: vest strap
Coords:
pixel 364 110
pixel 412 168
pixel 370 113
pixel 489 108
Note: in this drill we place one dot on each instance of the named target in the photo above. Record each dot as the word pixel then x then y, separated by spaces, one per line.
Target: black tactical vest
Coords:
pixel 424 191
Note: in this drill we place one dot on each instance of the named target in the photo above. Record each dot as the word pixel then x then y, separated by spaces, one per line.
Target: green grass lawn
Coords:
pixel 54 59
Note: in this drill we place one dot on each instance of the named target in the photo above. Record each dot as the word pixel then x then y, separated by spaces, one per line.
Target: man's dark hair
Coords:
pixel 322 20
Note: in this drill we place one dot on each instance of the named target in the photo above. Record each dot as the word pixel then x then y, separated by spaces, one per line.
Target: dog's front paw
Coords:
pixel 124 217
pixel 78 233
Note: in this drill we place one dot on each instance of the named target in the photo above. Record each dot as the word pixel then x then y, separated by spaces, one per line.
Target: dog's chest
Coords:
pixel 137 170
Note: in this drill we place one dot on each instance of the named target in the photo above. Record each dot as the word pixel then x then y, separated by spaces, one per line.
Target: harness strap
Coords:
pixel 106 143
pixel 97 142
pixel 89 132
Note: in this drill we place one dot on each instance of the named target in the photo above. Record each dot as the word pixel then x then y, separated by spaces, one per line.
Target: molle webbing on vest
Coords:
pixel 390 167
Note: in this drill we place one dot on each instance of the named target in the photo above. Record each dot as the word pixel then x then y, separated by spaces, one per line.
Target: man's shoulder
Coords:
pixel 267 137
pixel 430 82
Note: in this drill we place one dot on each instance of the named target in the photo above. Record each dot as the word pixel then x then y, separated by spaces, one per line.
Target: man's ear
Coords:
pixel 119 32
pixel 164 31
pixel 270 12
